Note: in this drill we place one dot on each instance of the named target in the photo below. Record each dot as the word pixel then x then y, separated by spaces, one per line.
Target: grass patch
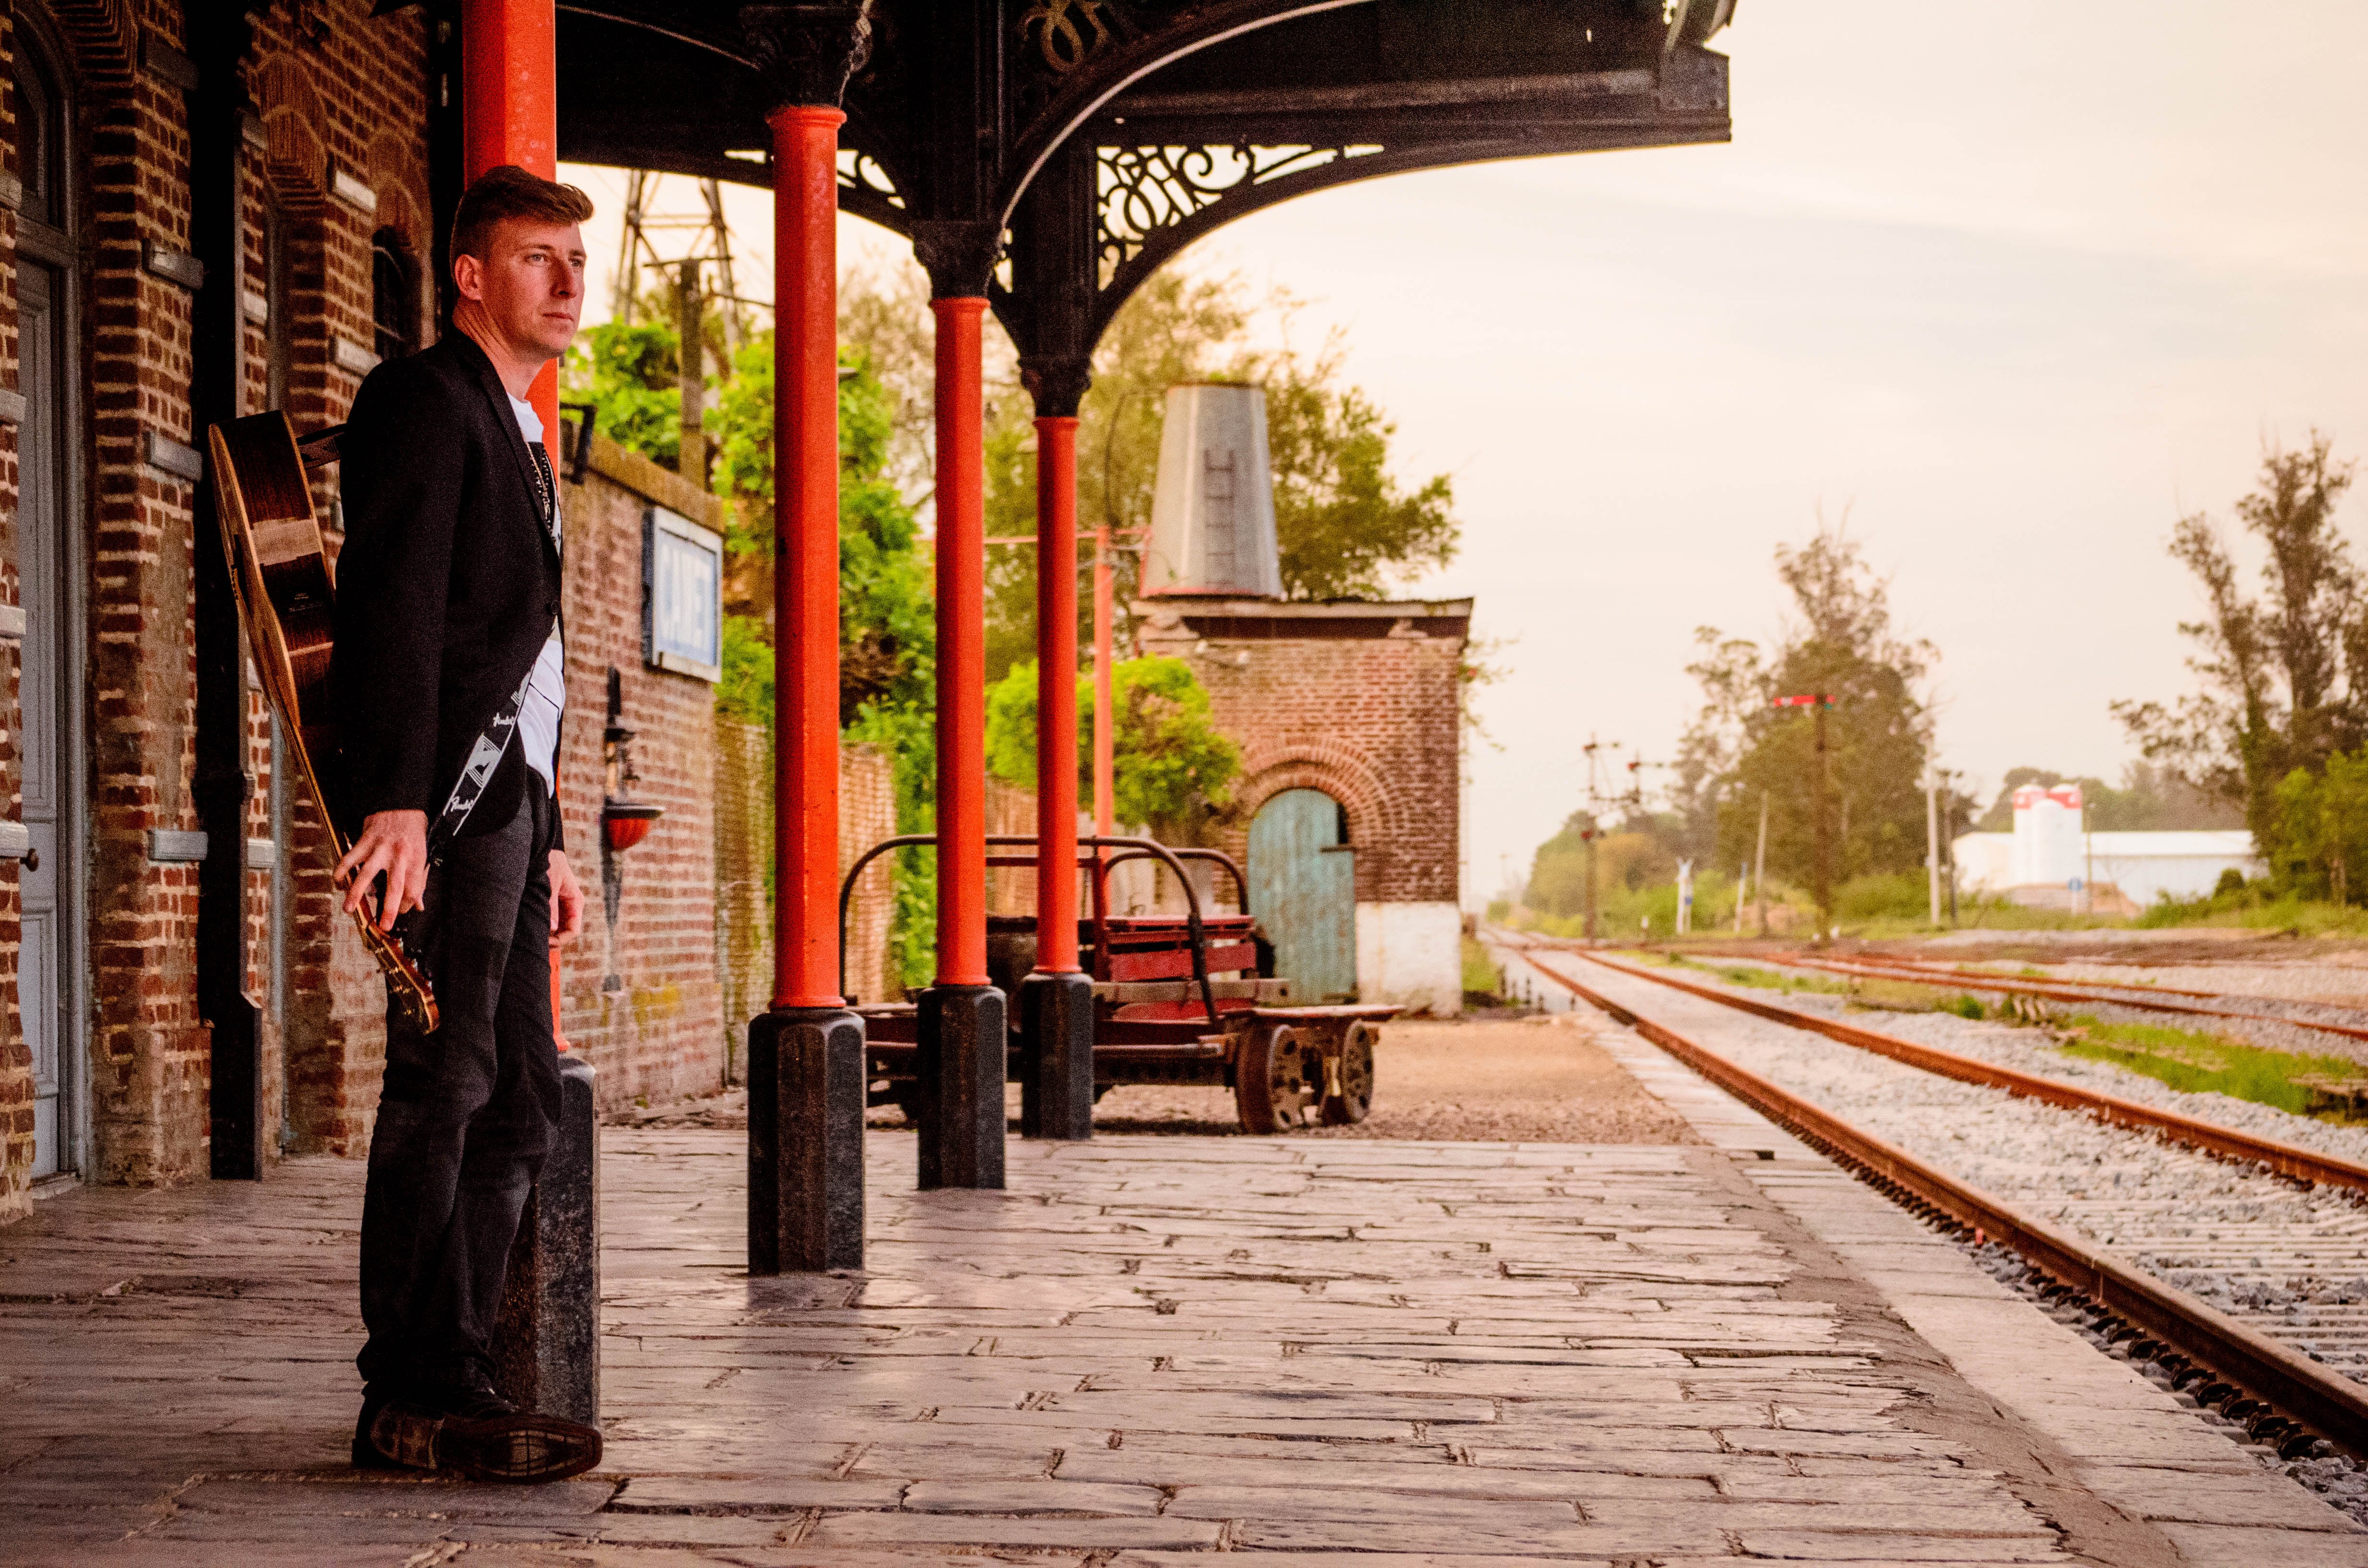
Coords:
pixel 1883 995
pixel 2331 1088
pixel 1758 978
pixel 1480 975
pixel 2259 908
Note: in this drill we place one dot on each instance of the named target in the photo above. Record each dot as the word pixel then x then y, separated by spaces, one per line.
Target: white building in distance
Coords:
pixel 2143 866
pixel 2047 860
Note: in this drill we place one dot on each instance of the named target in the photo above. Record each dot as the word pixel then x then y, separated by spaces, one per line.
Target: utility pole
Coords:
pixel 1587 836
pixel 691 357
pixel 1760 869
pixel 2089 861
pixel 1596 800
pixel 1825 884
pixel 1949 837
pixel 1932 841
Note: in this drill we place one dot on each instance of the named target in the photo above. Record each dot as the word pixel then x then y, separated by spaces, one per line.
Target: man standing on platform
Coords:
pixel 448 680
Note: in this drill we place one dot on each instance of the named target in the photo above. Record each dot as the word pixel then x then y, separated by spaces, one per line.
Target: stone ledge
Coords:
pixel 623 466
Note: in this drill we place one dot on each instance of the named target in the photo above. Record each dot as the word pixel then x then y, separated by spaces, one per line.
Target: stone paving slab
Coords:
pixel 1148 1350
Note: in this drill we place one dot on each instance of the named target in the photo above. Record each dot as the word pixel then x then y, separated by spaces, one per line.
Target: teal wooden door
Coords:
pixel 1304 891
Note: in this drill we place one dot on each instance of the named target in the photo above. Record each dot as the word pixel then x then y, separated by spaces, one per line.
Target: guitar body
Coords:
pixel 287 591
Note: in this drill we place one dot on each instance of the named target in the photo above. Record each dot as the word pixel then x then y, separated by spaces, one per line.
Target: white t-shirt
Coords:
pixel 546 689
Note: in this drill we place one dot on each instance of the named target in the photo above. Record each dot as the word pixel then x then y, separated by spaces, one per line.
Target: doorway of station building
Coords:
pixel 1303 876
pixel 50 959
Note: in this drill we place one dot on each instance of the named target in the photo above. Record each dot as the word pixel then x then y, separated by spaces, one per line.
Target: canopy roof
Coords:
pixel 1107 134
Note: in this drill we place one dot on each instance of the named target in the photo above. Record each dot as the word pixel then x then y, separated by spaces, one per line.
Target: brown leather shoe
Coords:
pixel 515 1446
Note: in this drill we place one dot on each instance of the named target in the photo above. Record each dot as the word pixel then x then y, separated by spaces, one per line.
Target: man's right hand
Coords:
pixel 396 843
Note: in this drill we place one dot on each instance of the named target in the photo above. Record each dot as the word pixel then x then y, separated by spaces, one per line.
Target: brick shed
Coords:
pixel 111 1043
pixel 1361 700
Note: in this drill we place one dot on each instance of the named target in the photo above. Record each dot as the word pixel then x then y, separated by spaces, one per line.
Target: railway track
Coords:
pixel 2146 999
pixel 2141 1212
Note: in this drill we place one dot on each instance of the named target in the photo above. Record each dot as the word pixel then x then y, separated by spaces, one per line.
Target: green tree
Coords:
pixel 1839 642
pixel 631 377
pixel 2323 829
pixel 1170 764
pixel 1629 856
pixel 2284 676
pixel 1345 528
pixel 887 626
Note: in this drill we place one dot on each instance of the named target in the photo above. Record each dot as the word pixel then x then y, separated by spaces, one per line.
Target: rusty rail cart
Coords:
pixel 1189 1001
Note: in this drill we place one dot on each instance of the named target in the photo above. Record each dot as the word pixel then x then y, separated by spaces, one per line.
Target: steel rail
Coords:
pixel 2288 1160
pixel 1940 965
pixel 2332 1406
pixel 1880 970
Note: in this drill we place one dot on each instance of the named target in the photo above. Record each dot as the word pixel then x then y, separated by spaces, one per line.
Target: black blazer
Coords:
pixel 448 586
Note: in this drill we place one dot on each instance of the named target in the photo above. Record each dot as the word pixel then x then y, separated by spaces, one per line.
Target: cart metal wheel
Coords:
pixel 1355 1101
pixel 1275 1079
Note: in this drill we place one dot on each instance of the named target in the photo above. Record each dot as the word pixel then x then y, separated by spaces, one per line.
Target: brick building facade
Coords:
pixel 1362 702
pixel 109 1066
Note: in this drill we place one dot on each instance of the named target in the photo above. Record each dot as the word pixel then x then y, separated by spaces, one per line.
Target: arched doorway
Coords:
pixel 50 962
pixel 1304 891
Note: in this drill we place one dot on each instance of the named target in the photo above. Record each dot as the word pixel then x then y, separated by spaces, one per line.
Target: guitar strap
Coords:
pixel 494 738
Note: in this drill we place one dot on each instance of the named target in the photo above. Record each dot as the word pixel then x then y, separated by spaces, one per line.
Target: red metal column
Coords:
pixel 509 114
pixel 806 555
pixel 1056 696
pixel 961 645
pixel 961 1061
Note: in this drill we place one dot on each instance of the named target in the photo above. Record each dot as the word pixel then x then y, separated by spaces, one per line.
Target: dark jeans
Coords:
pixel 466 1114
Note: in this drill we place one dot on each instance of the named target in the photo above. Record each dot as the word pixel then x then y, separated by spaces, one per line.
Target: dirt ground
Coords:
pixel 1536 1080
pixel 1531 1080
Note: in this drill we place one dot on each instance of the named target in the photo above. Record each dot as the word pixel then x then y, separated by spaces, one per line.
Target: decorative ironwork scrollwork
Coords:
pixel 860 171
pixel 1067 33
pixel 1144 191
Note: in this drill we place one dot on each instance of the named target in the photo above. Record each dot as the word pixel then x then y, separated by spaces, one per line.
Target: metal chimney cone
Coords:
pixel 1213 514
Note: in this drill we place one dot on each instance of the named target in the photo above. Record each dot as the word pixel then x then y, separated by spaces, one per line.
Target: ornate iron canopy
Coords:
pixel 1055 152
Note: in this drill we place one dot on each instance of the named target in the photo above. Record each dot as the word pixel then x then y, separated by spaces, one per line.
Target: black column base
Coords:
pixel 547 1341
pixel 964 1037
pixel 1056 1033
pixel 805 1141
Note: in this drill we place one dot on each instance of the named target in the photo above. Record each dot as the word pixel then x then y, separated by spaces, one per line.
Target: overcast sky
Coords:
pixel 2014 285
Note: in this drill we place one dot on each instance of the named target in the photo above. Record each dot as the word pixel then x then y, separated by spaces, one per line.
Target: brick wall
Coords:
pixel 867 813
pixel 1364 707
pixel 643 999
pixel 744 856
pixel 332 89
pixel 148 1049
pixel 334 93
pixel 1363 701
pixel 1010 810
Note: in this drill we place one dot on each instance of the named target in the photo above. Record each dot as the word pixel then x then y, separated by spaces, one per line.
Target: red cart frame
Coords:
pixel 1161 1013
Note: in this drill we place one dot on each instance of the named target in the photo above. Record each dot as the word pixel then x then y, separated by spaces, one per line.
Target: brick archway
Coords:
pixel 1346 774
pixel 296 148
